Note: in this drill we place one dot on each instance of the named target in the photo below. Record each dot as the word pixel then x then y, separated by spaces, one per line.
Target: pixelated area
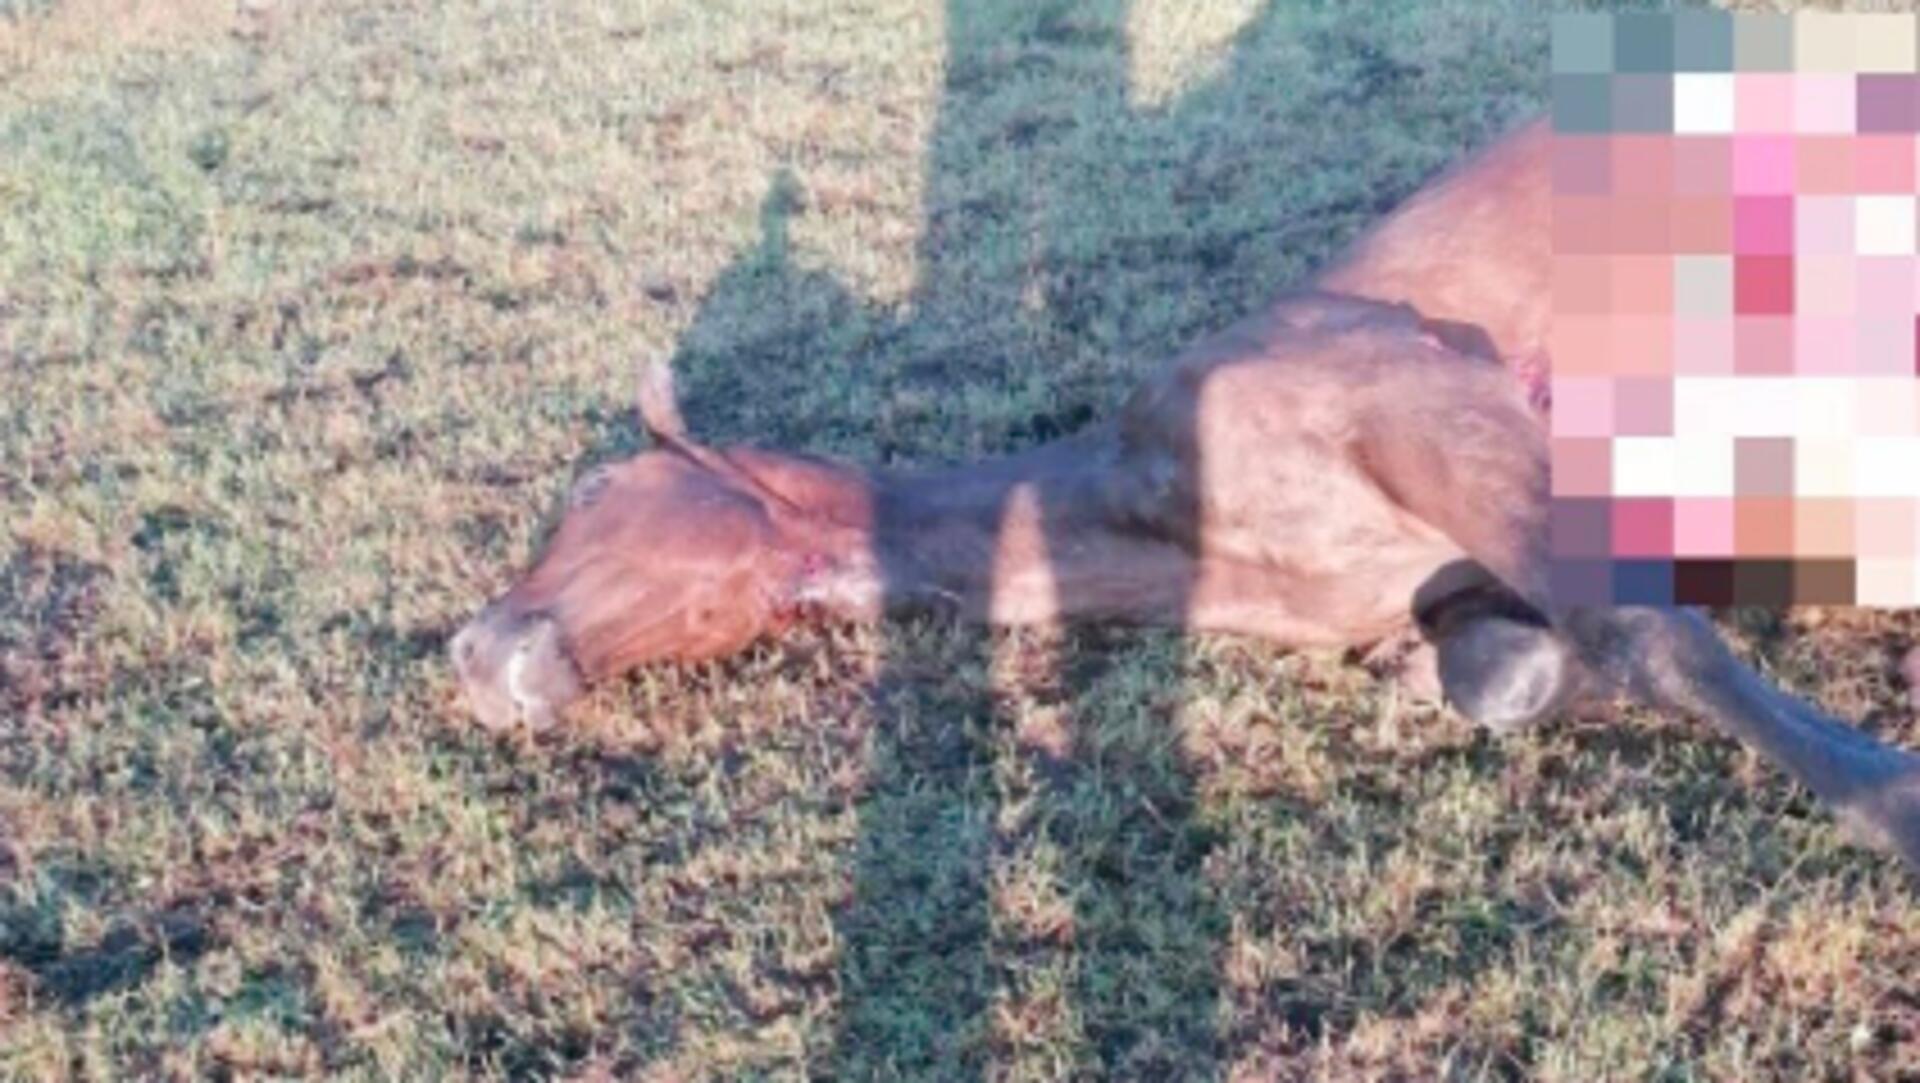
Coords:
pixel 1736 418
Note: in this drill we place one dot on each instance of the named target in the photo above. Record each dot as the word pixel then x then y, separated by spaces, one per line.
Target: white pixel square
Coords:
pixel 1885 583
pixel 1644 465
pixel 1759 405
pixel 1885 466
pixel 1700 407
pixel 1704 466
pixel 1883 225
pixel 1703 103
pixel 1823 407
pixel 1887 406
pixel 1823 468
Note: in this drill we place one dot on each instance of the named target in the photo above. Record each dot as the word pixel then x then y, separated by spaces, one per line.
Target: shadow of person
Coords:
pixel 1029 880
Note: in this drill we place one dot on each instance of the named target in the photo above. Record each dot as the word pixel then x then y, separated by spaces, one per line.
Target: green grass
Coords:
pixel 309 313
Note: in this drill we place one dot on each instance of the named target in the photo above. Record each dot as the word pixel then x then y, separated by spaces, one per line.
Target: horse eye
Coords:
pixel 589 487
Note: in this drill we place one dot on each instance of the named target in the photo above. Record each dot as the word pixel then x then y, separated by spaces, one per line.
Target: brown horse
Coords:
pixel 1365 457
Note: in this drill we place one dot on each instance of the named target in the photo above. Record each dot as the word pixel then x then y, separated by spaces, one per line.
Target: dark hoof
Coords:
pixel 1507 675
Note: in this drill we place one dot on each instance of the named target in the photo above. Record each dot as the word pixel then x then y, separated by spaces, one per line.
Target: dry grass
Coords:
pixel 44 44
pixel 308 316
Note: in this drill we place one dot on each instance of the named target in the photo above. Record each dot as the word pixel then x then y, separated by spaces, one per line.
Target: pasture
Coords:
pixel 309 314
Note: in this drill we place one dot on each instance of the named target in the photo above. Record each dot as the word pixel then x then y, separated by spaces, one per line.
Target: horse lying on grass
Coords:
pixel 1365 457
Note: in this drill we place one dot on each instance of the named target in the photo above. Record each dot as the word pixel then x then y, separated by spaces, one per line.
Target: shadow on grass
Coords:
pixel 73 976
pixel 1018 898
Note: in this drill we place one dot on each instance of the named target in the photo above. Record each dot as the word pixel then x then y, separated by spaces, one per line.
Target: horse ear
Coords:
pixel 659 405
pixel 659 409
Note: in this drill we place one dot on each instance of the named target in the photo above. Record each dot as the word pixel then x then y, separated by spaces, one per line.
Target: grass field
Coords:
pixel 310 312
